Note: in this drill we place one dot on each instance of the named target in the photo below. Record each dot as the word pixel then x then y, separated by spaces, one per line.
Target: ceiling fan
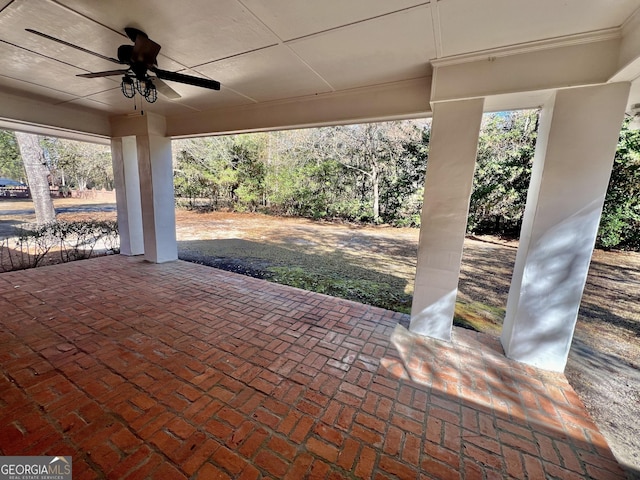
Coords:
pixel 140 58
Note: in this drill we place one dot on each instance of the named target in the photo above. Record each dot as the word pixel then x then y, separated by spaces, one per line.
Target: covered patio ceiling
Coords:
pixel 288 63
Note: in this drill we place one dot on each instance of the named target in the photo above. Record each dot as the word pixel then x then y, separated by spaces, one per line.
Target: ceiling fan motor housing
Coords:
pixel 124 53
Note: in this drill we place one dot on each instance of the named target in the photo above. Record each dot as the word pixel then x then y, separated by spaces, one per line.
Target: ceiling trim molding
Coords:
pixel 570 66
pixel 28 113
pixel 51 131
pixel 391 101
pixel 635 16
pixel 629 58
pixel 523 48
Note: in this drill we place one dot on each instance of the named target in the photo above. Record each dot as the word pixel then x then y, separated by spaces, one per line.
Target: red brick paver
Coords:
pixel 182 371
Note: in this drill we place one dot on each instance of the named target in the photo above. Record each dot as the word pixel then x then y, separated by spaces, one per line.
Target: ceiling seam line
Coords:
pixel 241 94
pixel 256 17
pixel 98 93
pixel 357 22
pixel 284 43
pixel 281 42
pixel 6 6
pixel 235 55
pixel 86 17
pixel 70 102
pixel 38 85
pixel 333 89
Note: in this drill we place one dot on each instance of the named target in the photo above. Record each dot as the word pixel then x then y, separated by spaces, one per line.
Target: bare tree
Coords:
pixel 37 175
pixel 369 149
pixel 87 165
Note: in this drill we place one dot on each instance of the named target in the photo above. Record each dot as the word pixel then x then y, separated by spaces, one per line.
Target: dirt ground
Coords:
pixel 604 363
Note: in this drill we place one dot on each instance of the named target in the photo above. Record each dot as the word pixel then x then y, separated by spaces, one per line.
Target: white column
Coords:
pixel 577 138
pixel 143 137
pixel 449 179
pixel 158 206
pixel 125 171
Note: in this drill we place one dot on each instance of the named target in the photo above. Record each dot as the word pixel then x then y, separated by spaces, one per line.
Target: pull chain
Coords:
pixel 135 105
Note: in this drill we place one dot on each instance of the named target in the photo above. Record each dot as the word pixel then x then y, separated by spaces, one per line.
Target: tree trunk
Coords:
pixel 37 173
pixel 375 180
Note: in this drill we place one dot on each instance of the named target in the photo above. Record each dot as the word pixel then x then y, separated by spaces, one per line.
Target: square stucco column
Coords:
pixel 158 206
pixel 449 179
pixel 125 172
pixel 144 138
pixel 577 137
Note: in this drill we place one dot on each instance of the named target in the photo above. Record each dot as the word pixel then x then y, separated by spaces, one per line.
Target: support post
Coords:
pixel 127 182
pixel 143 138
pixel 577 137
pixel 158 205
pixel 449 180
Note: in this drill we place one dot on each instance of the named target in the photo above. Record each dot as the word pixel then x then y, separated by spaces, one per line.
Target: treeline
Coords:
pixel 69 163
pixel 361 173
pixel 369 173
pixel 374 173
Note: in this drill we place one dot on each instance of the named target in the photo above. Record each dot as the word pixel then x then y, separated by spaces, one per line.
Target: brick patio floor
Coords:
pixel 183 371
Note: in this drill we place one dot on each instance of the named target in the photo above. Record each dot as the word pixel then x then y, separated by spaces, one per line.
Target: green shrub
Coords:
pixel 58 242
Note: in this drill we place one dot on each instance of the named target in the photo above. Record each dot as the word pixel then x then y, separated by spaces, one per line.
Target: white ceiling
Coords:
pixel 267 50
pixel 499 23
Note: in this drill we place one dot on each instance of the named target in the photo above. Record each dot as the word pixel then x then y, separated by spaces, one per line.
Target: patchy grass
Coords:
pixel 475 315
pixel 379 294
pixel 479 317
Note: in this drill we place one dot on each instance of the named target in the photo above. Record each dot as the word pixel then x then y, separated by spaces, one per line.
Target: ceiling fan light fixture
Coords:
pixel 127 86
pixel 150 92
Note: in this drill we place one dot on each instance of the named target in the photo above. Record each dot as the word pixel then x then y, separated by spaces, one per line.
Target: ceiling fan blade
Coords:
pixel 145 51
pixel 133 33
pixel 67 44
pixel 165 89
pixel 187 79
pixel 108 73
